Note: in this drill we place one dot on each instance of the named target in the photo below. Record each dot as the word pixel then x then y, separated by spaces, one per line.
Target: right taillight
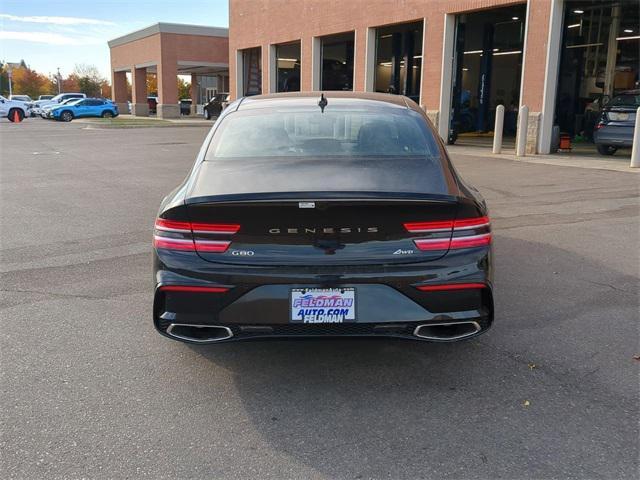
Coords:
pixel 461 233
pixel 187 236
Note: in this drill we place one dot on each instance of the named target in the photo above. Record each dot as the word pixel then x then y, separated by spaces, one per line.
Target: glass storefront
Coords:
pixel 399 59
pixel 337 62
pixel 599 59
pixel 487 69
pixel 288 67
pixel 252 71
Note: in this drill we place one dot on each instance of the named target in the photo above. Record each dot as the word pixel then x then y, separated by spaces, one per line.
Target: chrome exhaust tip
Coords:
pixel 447 331
pixel 199 333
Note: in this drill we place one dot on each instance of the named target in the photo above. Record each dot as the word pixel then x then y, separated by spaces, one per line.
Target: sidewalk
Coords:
pixel 618 162
pixel 131 121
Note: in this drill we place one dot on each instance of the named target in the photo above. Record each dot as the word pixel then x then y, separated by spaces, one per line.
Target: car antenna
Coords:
pixel 322 103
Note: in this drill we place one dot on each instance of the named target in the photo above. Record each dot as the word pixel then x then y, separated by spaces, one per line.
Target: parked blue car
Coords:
pixel 86 107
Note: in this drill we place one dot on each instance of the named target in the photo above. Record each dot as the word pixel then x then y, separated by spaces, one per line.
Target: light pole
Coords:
pixel 9 76
pixel 59 81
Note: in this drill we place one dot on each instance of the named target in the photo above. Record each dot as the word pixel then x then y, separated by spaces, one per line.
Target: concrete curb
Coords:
pixel 575 161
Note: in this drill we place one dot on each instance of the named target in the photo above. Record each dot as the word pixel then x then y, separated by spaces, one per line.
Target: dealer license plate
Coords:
pixel 323 305
pixel 619 117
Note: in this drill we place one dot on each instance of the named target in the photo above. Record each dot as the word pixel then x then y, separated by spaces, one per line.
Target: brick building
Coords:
pixel 458 59
pixel 166 50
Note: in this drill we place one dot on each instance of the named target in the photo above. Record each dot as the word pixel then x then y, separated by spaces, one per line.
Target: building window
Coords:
pixel 399 59
pixel 337 62
pixel 252 71
pixel 288 67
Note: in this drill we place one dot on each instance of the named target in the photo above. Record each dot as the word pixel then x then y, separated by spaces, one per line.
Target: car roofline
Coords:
pixel 397 100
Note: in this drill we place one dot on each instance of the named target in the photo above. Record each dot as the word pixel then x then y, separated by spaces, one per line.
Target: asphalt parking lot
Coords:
pixel 90 390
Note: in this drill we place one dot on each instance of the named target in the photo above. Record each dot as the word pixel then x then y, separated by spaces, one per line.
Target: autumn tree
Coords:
pixel 70 84
pixel 184 89
pixel 25 81
pixel 152 84
pixel 105 89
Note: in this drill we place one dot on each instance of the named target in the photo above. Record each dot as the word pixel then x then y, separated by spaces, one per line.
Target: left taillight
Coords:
pixel 187 236
pixel 452 234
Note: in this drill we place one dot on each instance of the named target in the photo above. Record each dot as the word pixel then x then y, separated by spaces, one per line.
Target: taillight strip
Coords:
pixel 173 243
pixel 216 246
pixel 192 288
pixel 433 244
pixel 187 227
pixel 424 227
pixel 469 223
pixel 172 226
pixel 444 225
pixel 215 228
pixel 471 241
pixel 450 286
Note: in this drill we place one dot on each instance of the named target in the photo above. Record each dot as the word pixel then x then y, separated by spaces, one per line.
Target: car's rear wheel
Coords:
pixel 12 115
pixel 107 114
pixel 66 116
pixel 606 149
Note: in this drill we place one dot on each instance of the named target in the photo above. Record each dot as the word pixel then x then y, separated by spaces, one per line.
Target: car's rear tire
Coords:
pixel 66 116
pixel 606 149
pixel 107 114
pixel 12 114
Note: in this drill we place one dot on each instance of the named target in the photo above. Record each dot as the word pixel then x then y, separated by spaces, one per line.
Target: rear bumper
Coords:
pixel 614 135
pixel 388 304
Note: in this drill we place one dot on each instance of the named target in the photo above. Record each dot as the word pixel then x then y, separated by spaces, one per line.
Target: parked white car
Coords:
pixel 28 103
pixel 21 98
pixel 9 109
pixel 37 105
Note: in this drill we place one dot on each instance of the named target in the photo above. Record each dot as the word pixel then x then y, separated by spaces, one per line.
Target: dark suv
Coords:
pixel 617 121
pixel 214 107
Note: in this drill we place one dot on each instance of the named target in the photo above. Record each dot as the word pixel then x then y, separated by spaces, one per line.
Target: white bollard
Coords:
pixel 497 130
pixel 635 150
pixel 521 135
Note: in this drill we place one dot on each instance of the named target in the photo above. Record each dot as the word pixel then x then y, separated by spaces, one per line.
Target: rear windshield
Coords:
pixel 307 132
pixel 625 101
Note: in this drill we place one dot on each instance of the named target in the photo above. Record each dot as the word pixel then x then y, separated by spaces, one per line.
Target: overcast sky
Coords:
pixel 49 34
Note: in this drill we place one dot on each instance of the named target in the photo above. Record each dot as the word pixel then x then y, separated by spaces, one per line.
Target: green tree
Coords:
pixel 4 80
pixel 89 79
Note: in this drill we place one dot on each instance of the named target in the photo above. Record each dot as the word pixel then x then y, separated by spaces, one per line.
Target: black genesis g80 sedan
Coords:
pixel 309 214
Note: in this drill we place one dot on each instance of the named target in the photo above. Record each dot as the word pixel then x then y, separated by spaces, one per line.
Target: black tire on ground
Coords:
pixel 12 114
pixel 107 114
pixel 66 116
pixel 606 149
